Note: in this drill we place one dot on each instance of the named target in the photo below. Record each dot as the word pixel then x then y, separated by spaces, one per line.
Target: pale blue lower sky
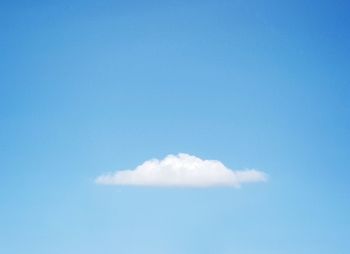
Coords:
pixel 89 87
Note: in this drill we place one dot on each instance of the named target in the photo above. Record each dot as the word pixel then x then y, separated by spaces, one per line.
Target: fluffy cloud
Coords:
pixel 182 170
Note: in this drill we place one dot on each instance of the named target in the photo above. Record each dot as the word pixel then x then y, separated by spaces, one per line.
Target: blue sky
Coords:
pixel 88 87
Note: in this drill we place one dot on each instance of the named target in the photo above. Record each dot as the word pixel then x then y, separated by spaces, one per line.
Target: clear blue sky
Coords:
pixel 92 86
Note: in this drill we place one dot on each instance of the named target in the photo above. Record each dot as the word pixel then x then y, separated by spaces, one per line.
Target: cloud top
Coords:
pixel 182 170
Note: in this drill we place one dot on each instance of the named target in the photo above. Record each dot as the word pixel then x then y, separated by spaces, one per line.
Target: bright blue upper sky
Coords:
pixel 92 86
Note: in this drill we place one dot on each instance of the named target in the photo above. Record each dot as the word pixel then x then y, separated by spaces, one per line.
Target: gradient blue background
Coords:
pixel 93 86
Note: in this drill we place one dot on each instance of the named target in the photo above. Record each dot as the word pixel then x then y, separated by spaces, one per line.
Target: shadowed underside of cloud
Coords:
pixel 182 170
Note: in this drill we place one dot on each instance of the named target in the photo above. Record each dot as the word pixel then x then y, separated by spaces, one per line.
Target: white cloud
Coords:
pixel 182 170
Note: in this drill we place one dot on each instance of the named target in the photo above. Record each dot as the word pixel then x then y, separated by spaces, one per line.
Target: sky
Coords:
pixel 92 87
